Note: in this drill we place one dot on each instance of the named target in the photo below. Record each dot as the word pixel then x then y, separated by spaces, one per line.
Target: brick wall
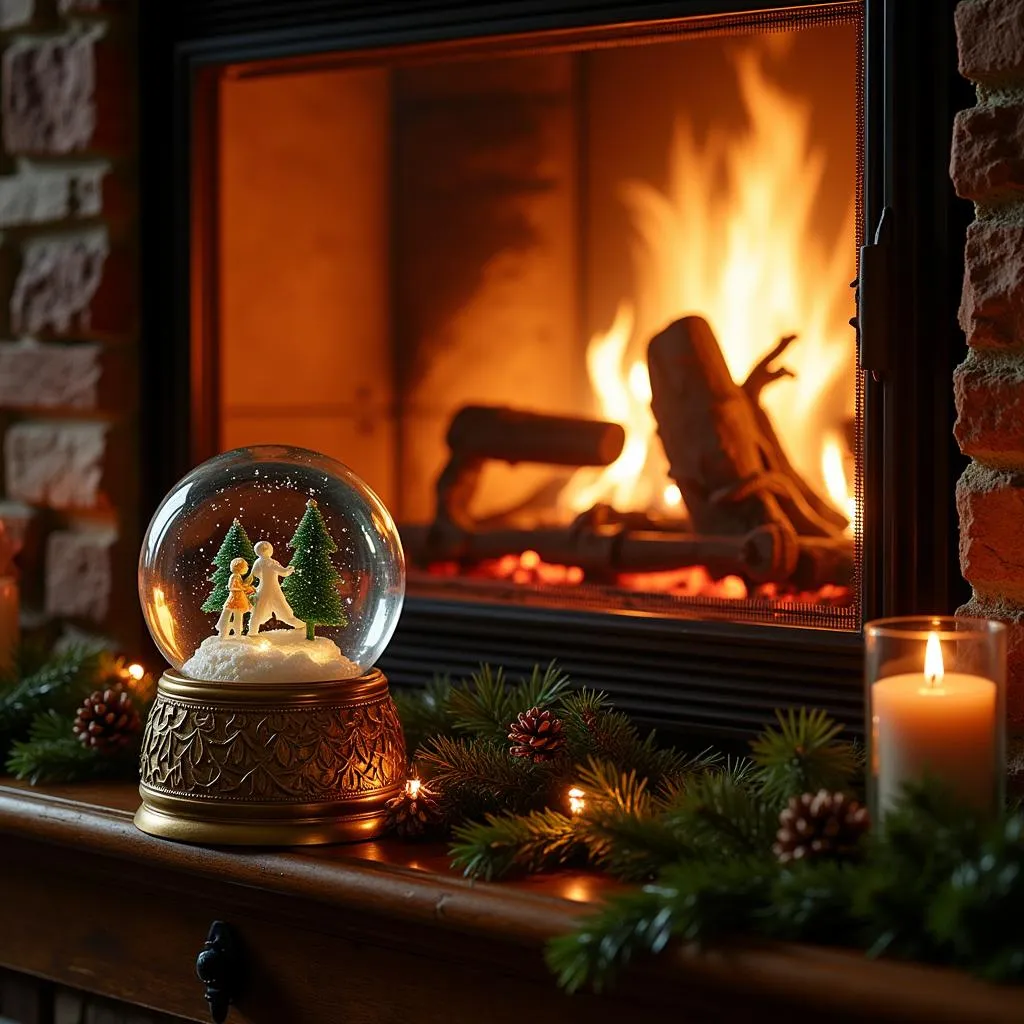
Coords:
pixel 68 309
pixel 988 168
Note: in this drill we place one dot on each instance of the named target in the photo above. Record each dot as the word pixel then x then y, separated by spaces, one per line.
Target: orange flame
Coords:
pixel 733 238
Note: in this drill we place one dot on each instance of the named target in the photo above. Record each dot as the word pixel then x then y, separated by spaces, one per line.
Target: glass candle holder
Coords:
pixel 935 699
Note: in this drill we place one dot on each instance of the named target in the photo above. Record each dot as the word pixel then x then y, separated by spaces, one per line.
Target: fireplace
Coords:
pixel 570 286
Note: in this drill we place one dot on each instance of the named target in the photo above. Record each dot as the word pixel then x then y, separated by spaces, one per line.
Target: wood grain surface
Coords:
pixel 383 932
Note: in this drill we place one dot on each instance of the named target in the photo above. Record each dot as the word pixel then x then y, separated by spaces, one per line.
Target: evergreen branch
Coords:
pixel 692 901
pixel 61 684
pixel 977 912
pixel 424 712
pixel 633 847
pixel 803 755
pixel 722 816
pixel 52 753
pixel 505 843
pixel 672 789
pixel 487 704
pixel 592 729
pixel 473 776
pixel 544 687
pixel 928 835
pixel 608 788
pixel 28 657
pixel 814 902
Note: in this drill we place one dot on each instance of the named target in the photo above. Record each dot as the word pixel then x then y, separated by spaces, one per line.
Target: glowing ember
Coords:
pixel 735 238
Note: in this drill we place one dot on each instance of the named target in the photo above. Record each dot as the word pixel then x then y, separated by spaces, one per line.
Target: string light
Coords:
pixel 136 671
pixel 577 801
pixel 412 788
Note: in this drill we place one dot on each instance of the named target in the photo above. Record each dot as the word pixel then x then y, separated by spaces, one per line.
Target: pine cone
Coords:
pixel 107 720
pixel 537 735
pixel 415 810
pixel 822 825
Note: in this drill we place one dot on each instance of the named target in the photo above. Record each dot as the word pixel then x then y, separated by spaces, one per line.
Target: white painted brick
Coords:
pixel 49 375
pixel 55 463
pixel 58 278
pixel 49 93
pixel 15 13
pixel 35 194
pixel 79 573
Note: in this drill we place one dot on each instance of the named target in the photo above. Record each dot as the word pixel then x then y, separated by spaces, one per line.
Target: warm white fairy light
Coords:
pixel 135 671
pixel 412 788
pixel 577 801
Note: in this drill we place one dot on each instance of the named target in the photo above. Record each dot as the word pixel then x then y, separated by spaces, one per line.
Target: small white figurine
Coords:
pixel 237 604
pixel 270 600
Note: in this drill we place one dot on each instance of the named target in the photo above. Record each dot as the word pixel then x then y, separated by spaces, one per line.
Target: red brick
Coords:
pixel 990 39
pixel 988 153
pixel 1013 615
pixel 63 465
pixel 79 574
pixel 990 503
pixel 49 376
pixel 57 282
pixel 989 392
pixel 992 306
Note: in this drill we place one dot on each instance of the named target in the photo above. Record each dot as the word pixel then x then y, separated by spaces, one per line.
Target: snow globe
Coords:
pixel 271 578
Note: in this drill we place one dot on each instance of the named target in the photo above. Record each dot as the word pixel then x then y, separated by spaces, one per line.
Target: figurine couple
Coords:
pixel 269 600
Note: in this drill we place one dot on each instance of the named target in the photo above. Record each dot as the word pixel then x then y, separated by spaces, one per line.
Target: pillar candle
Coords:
pixel 935 724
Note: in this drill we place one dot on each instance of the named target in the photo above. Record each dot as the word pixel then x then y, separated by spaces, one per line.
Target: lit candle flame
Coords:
pixel 412 788
pixel 933 667
pixel 577 801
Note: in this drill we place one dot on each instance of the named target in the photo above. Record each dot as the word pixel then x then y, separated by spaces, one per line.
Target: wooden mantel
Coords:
pixel 380 933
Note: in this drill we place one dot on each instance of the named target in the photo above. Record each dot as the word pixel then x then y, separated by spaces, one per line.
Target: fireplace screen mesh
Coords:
pixel 577 309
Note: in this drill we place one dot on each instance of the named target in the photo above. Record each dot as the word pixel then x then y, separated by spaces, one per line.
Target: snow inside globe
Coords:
pixel 271 564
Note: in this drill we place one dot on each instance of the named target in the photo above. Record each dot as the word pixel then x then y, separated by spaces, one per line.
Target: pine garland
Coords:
pixel 936 885
pixel 60 683
pixel 698 832
pixel 37 714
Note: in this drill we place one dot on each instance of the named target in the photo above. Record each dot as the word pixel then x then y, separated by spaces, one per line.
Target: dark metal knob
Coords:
pixel 219 967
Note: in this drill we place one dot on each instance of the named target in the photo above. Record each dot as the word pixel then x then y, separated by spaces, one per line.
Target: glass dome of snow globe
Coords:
pixel 271 564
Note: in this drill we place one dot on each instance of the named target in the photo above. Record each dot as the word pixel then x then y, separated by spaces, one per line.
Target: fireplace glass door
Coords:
pixel 577 305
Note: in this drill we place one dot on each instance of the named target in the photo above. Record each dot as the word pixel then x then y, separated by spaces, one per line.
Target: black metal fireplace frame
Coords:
pixel 694 674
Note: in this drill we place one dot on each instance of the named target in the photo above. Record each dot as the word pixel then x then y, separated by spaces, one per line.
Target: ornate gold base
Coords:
pixel 271 764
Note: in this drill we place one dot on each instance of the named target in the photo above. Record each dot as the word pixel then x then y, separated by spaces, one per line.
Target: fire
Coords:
pixel 623 391
pixel 835 481
pixel 735 237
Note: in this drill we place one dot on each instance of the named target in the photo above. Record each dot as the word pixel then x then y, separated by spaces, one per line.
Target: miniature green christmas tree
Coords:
pixel 236 545
pixel 312 590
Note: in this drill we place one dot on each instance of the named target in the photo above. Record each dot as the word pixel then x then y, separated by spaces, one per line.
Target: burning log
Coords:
pixel 723 452
pixel 481 432
pixel 511 435
pixel 755 556
pixel 752 514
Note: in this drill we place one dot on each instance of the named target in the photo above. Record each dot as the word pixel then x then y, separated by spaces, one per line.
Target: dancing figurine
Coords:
pixel 270 600
pixel 237 604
